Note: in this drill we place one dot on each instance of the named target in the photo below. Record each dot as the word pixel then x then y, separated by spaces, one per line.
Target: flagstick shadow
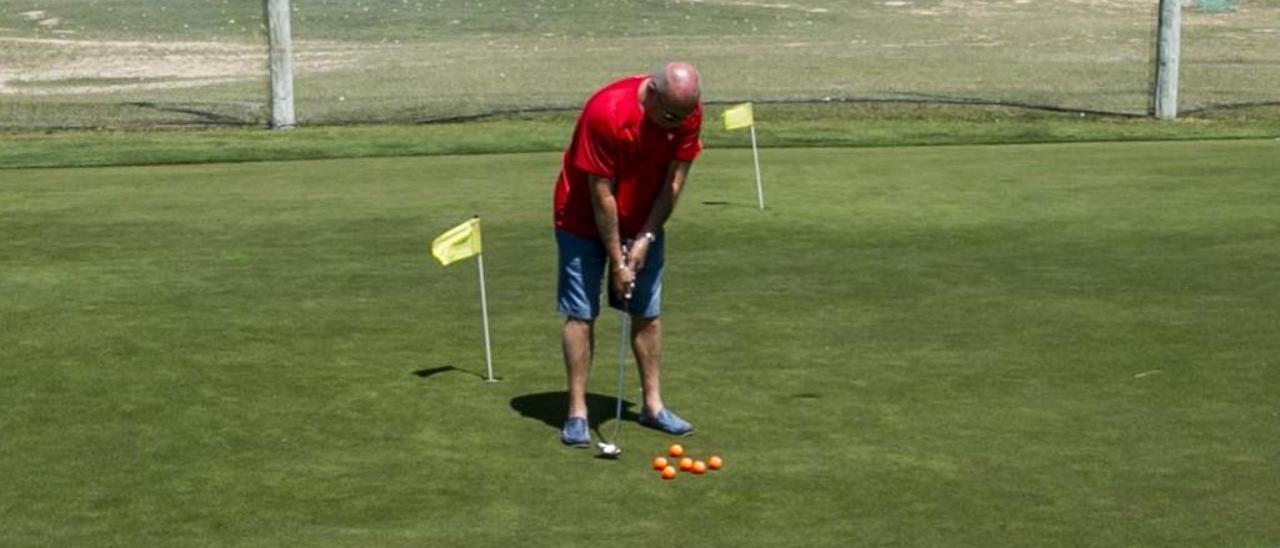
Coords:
pixel 432 371
pixel 722 203
pixel 550 408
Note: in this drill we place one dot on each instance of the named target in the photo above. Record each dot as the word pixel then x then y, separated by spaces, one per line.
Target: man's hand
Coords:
pixel 639 251
pixel 622 279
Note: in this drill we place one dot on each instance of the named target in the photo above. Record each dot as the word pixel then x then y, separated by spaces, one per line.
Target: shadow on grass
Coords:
pixel 549 407
pixel 731 205
pixel 429 372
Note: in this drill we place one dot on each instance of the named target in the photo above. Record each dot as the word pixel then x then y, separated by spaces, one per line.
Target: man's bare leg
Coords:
pixel 578 340
pixel 646 342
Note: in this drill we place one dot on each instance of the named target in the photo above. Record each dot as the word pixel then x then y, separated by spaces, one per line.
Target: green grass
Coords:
pixel 1035 345
pixel 821 125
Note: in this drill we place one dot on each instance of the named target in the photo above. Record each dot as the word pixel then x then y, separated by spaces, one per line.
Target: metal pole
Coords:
pixel 1168 42
pixel 484 313
pixel 280 43
pixel 755 153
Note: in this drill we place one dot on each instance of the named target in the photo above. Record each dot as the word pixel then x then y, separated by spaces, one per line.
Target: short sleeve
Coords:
pixel 690 139
pixel 593 151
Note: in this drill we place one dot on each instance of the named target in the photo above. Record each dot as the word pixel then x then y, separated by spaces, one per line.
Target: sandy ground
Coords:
pixel 762 5
pixel 57 62
pixel 58 66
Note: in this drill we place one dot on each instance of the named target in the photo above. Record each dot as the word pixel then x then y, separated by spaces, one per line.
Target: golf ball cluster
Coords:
pixel 685 463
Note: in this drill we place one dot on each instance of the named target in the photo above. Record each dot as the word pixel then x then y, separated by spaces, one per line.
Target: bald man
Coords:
pixel 621 177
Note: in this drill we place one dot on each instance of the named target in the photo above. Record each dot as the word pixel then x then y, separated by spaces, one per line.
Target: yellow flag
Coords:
pixel 738 117
pixel 457 243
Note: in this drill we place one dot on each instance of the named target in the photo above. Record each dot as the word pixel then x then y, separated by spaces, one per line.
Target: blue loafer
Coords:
pixel 667 421
pixel 575 433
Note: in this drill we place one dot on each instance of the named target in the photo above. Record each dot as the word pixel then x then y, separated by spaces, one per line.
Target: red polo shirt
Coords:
pixel 613 140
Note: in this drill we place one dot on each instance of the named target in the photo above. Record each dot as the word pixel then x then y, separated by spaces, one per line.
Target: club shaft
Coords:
pixel 622 369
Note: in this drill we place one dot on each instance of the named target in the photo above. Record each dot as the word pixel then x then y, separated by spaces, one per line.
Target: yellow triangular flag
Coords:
pixel 457 243
pixel 738 117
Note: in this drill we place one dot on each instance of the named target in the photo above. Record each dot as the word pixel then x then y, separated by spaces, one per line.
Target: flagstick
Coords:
pixel 755 153
pixel 484 311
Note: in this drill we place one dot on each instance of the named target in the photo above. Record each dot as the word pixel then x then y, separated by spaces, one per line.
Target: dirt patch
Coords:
pixel 762 5
pixel 981 7
pixel 59 66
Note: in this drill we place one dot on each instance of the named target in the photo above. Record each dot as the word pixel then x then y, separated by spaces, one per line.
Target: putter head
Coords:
pixel 609 450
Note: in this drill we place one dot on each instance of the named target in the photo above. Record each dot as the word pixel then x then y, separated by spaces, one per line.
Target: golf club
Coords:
pixel 611 449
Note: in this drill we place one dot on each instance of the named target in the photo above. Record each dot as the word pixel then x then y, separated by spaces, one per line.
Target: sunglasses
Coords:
pixel 668 114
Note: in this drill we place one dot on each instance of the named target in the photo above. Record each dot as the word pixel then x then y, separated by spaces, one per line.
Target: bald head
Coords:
pixel 672 94
pixel 678 83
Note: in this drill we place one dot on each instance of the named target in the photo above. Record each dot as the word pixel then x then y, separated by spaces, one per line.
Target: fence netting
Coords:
pixel 153 63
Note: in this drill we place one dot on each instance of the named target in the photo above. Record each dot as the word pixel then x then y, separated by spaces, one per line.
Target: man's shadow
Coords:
pixel 552 408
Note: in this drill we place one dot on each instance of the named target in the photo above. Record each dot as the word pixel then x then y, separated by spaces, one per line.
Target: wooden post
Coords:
pixel 1167 45
pixel 280 43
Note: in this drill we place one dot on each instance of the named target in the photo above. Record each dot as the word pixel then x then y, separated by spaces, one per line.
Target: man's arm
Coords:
pixel 605 206
pixel 668 195
pixel 663 205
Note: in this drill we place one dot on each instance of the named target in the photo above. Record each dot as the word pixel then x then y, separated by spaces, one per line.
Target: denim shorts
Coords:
pixel 582 268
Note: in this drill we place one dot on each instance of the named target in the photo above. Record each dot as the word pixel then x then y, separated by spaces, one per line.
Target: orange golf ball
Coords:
pixel 659 463
pixel 669 473
pixel 675 450
pixel 686 464
pixel 715 462
pixel 699 467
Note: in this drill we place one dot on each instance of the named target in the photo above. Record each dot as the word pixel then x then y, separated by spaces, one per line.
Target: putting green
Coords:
pixel 1049 345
